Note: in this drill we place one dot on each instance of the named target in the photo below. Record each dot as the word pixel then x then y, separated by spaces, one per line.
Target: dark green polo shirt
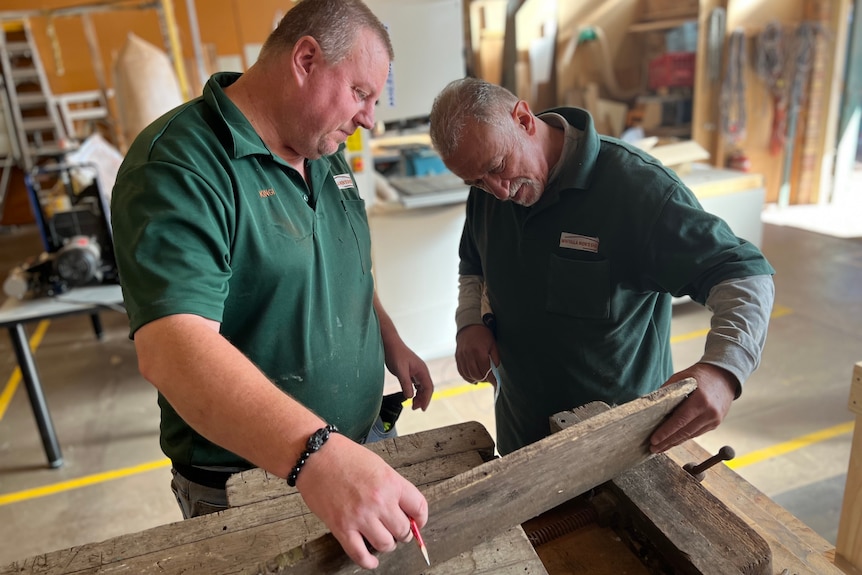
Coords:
pixel 208 222
pixel 581 282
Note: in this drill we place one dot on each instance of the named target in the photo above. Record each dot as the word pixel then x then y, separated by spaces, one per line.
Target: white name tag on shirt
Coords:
pixel 579 242
pixel 343 181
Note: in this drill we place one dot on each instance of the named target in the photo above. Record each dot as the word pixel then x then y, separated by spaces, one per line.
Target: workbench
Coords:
pixel 14 313
pixel 269 519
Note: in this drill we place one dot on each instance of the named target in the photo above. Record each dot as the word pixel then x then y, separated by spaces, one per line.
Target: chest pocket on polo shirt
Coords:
pixel 355 210
pixel 579 288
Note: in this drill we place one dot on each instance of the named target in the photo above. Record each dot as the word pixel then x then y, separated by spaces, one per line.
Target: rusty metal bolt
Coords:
pixel 726 453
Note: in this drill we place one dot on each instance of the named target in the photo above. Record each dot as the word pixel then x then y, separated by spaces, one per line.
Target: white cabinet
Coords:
pixel 415 257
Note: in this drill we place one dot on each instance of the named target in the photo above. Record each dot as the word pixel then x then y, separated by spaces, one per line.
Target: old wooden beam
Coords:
pixel 415 456
pixel 849 544
pixel 263 526
pixel 692 531
pixel 472 507
pixel 794 545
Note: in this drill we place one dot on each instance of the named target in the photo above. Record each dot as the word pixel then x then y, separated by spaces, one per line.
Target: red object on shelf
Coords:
pixel 737 160
pixel 672 70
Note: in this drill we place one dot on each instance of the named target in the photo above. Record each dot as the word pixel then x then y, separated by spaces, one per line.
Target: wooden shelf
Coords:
pixel 657 25
pixel 681 131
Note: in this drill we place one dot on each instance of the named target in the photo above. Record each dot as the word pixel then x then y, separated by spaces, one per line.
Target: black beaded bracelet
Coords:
pixel 315 442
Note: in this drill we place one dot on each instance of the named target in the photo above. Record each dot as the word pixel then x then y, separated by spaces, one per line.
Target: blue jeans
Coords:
pixel 377 433
pixel 195 499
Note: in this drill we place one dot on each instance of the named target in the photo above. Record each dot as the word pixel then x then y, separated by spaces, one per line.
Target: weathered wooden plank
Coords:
pixel 698 534
pixel 693 531
pixel 509 553
pixel 256 485
pixel 849 542
pixel 470 508
pixel 794 545
pixel 402 453
pixel 182 543
pixel 219 543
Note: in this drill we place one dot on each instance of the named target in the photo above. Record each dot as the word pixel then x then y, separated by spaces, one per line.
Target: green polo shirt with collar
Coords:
pixel 581 283
pixel 207 221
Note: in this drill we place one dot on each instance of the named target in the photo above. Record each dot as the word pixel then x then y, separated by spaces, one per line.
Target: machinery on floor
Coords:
pixel 73 217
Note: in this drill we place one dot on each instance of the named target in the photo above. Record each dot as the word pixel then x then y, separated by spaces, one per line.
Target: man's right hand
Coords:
pixel 475 348
pixel 357 495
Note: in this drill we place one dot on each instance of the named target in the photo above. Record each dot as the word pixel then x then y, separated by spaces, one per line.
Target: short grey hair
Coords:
pixel 333 23
pixel 464 102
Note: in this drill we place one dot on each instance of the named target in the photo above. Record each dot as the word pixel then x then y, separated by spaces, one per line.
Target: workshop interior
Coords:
pixel 755 104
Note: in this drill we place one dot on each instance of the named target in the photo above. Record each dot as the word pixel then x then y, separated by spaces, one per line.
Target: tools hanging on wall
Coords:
pixel 804 43
pixel 783 56
pixel 715 43
pixel 732 106
pixel 771 67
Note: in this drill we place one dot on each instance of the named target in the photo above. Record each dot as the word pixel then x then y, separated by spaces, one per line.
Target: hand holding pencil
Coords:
pixel 415 529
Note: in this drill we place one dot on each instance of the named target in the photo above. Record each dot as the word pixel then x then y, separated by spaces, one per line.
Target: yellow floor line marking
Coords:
pixel 460 390
pixel 12 383
pixel 82 482
pixel 777 311
pixel 689 335
pixel 792 445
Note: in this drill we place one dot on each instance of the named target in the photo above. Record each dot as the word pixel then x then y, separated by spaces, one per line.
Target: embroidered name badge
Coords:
pixel 343 181
pixel 579 242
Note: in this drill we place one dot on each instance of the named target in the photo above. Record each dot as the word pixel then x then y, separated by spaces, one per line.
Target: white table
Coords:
pixel 15 313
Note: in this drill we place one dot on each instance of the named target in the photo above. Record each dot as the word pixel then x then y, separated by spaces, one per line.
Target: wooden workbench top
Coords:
pixel 795 546
pixel 268 518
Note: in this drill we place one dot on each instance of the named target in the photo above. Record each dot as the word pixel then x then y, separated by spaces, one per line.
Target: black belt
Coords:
pixel 205 477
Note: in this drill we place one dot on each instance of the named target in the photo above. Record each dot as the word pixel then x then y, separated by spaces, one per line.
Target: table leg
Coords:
pixel 97 325
pixel 37 398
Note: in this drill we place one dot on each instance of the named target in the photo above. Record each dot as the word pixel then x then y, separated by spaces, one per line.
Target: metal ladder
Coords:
pixel 9 152
pixel 37 125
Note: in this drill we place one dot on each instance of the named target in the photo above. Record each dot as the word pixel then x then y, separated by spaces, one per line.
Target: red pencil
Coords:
pixel 415 529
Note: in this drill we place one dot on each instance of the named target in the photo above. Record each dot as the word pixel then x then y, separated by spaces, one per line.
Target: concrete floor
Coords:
pixel 115 479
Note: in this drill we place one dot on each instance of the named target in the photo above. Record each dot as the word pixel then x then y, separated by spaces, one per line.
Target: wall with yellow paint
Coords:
pixel 225 26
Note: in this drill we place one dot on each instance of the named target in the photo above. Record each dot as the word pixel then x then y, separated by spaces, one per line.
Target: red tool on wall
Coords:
pixel 771 67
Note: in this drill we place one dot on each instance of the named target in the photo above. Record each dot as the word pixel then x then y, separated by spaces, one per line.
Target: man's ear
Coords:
pixel 306 54
pixel 524 117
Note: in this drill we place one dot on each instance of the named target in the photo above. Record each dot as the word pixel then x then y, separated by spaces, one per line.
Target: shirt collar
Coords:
pixel 570 143
pixel 580 151
pixel 243 139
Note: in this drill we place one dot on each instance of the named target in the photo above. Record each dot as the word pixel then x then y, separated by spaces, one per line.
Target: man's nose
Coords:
pixel 365 116
pixel 497 188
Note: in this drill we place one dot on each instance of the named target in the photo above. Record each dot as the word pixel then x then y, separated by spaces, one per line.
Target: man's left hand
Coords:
pixel 413 375
pixel 701 411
